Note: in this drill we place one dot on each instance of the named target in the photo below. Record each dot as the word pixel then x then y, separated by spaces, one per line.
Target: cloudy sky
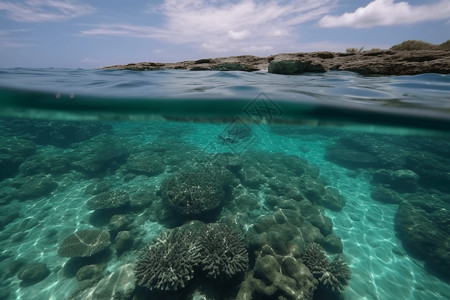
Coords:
pixel 95 33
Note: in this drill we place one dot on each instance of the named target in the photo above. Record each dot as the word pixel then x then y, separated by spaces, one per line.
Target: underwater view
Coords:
pixel 223 185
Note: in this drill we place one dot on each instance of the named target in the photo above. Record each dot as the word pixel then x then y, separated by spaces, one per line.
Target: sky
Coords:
pixel 97 33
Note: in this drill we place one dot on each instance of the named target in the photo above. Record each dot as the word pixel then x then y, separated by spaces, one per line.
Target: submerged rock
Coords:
pixel 84 243
pixel 33 273
pixel 424 236
pixel 13 153
pixel 118 285
pixel 32 187
pixel 398 180
pixel 109 200
pixel 124 241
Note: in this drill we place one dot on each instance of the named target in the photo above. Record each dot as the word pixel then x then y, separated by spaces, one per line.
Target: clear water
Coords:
pixel 382 142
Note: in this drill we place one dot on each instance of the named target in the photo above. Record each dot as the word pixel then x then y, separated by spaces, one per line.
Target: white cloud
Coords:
pixel 225 26
pixel 44 10
pixel 389 12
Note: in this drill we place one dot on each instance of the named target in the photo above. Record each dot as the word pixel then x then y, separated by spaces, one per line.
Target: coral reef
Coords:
pixel 99 155
pixel 32 187
pixel 149 164
pixel 333 275
pixel 215 250
pixel 169 262
pixel 196 191
pixel 223 252
pixel 84 243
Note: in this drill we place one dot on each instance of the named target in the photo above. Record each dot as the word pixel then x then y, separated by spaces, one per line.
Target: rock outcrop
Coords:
pixel 402 59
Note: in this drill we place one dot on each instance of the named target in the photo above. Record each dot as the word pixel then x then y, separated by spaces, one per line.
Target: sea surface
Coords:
pixel 178 184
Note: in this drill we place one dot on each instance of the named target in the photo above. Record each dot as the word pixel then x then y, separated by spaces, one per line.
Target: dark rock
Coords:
pixel 396 61
pixel 99 155
pixel 124 241
pixel 200 68
pixel 232 67
pixel 332 199
pixel 33 273
pixel 119 223
pixel 332 243
pixel 89 272
pixel 13 152
pixel 424 238
pixel 398 180
pixel 34 187
pixel 119 285
pixel 385 195
pixel 350 158
pixel 46 164
pixel 294 67
pixel 324 223
pixel 312 189
pixel 203 61
pixel 434 171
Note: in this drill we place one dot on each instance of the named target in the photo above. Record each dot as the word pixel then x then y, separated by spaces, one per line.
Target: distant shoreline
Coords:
pixel 407 58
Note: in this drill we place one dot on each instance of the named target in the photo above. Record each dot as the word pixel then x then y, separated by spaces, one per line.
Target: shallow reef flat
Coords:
pixel 178 210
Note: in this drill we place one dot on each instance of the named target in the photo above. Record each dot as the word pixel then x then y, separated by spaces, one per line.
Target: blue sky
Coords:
pixel 96 33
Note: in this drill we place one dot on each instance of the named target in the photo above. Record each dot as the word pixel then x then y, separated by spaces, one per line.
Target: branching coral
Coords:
pixel 169 262
pixel 333 275
pixel 179 255
pixel 223 251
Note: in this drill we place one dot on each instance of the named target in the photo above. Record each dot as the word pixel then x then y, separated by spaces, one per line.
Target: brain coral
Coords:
pixel 169 262
pixel 223 252
pixel 84 243
pixel 197 191
pixel 107 200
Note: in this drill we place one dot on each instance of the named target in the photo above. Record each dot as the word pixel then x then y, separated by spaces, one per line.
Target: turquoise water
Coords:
pixel 358 165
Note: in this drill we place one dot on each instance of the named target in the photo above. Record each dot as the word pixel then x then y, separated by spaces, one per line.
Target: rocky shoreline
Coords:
pixel 371 62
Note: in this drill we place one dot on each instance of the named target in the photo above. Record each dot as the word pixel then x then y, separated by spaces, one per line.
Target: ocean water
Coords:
pixel 219 184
